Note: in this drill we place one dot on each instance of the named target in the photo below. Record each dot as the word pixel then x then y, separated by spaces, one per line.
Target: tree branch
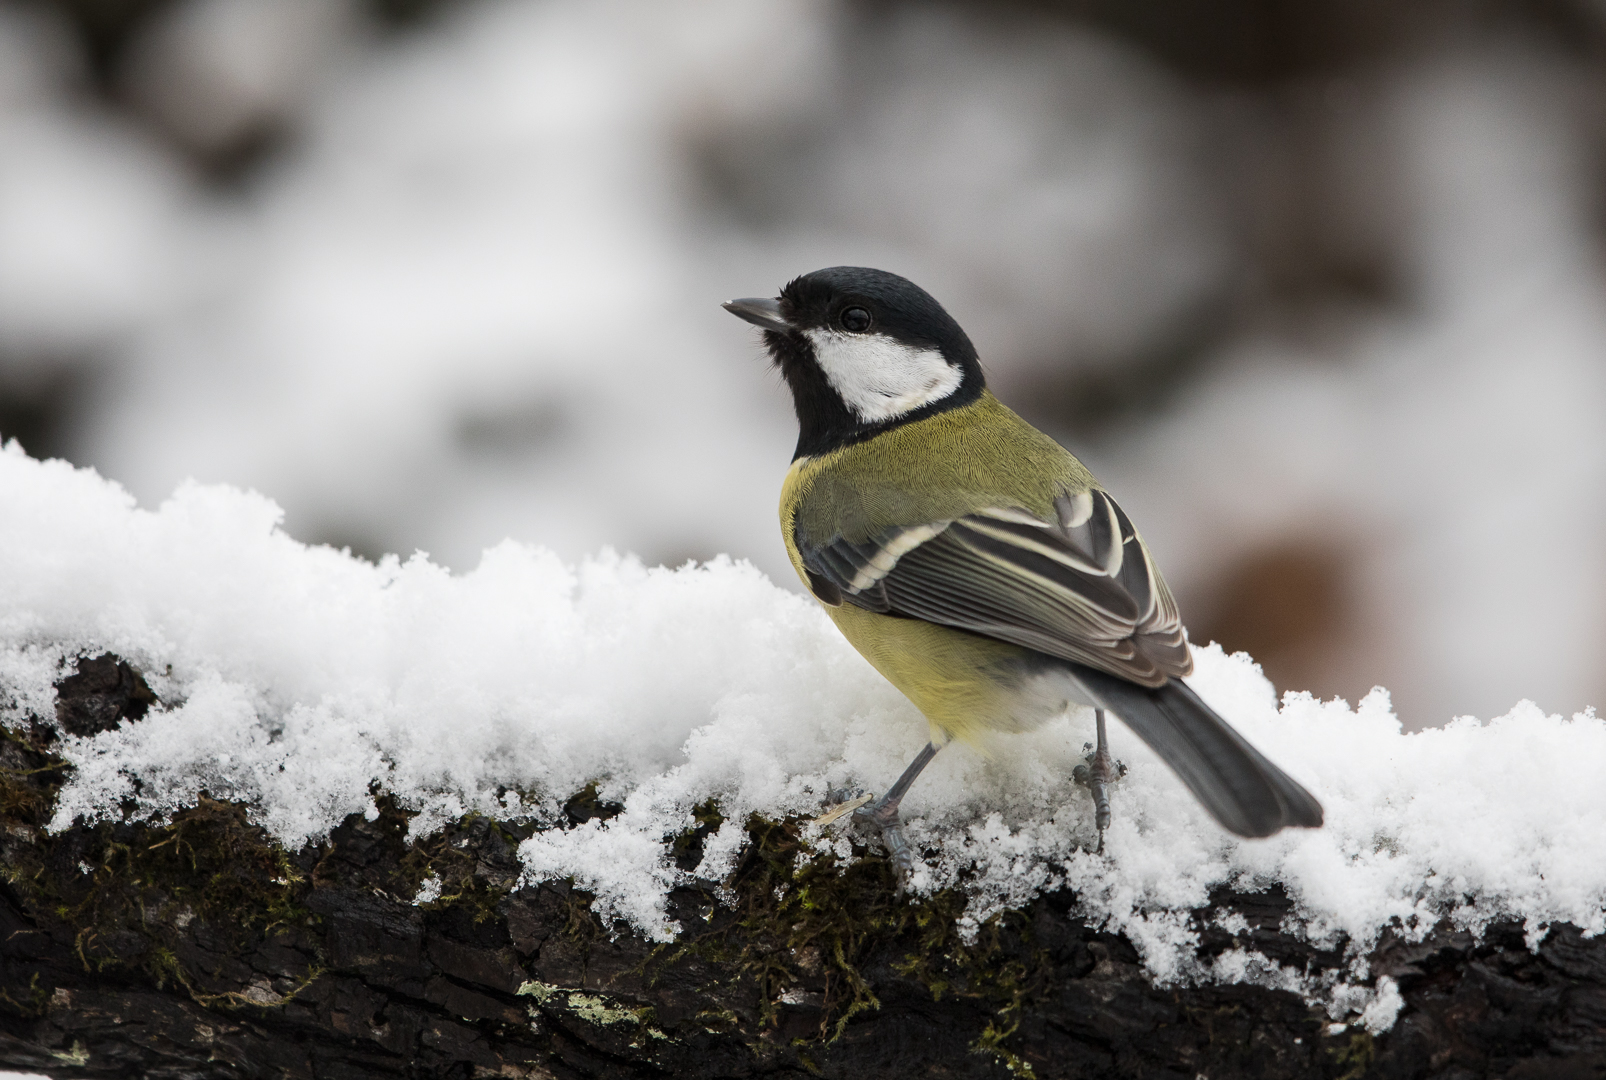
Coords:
pixel 199 948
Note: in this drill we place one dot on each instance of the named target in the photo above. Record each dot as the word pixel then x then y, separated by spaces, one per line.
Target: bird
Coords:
pixel 975 562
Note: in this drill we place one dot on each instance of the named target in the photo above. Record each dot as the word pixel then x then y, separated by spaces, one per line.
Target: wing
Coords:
pixel 1081 587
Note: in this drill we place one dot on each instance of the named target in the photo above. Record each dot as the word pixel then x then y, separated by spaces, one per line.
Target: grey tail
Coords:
pixel 1242 790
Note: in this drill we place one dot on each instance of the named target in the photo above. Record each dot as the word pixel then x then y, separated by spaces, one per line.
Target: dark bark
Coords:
pixel 197 948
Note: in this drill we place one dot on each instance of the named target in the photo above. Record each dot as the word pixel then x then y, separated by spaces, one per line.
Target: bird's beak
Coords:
pixel 759 311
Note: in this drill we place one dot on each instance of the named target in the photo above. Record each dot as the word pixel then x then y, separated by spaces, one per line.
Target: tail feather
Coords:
pixel 1244 791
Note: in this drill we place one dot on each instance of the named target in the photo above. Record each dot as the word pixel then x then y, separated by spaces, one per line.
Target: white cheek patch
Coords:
pixel 879 378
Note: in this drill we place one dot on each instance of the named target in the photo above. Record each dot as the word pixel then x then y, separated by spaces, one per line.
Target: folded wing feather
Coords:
pixel 1081 587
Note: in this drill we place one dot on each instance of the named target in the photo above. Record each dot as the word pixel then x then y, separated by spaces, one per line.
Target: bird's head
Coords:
pixel 862 350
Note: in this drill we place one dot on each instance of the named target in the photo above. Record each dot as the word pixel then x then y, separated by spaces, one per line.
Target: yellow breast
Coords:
pixel 963 683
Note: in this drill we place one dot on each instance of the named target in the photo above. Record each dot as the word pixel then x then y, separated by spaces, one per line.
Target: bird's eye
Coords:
pixel 855 320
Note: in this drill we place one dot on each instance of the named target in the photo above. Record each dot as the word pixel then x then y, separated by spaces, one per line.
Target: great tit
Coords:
pixel 975 562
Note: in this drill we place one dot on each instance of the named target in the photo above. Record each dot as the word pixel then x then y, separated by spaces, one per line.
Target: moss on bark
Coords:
pixel 198 947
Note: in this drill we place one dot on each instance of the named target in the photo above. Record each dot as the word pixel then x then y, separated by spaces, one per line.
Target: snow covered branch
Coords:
pixel 274 810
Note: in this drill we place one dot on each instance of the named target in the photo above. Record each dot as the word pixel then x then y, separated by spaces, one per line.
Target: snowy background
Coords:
pixel 1316 288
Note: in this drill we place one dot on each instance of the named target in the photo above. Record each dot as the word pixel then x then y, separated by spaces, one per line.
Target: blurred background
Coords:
pixel 1315 286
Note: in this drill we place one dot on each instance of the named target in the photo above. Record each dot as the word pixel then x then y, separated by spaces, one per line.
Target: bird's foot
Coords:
pixel 881 817
pixel 1097 774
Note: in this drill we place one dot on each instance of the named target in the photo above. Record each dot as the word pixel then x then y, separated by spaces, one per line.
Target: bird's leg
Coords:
pixel 1097 775
pixel 882 815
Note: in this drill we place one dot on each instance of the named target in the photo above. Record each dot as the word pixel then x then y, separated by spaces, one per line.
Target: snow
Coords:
pixel 214 72
pixel 89 222
pixel 298 679
pixel 1430 443
pixel 475 281
pixel 480 278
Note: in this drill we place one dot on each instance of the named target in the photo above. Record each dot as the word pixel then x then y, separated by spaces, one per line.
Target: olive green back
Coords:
pixel 974 457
